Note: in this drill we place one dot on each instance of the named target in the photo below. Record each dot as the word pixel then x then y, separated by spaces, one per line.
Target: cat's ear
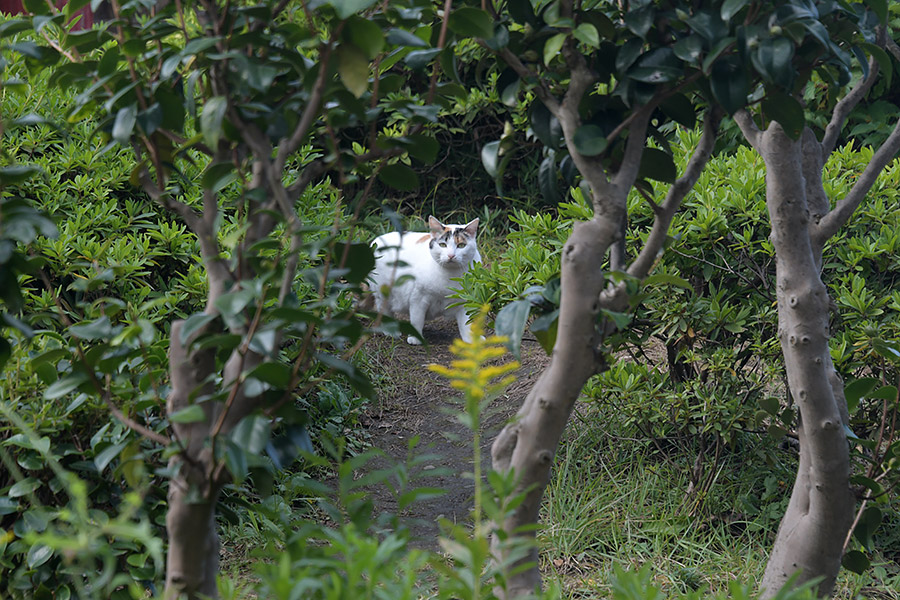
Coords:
pixel 471 227
pixel 437 228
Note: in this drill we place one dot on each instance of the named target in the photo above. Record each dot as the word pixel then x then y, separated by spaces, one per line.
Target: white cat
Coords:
pixel 413 273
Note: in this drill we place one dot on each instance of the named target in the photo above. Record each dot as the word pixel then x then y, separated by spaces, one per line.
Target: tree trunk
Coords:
pixel 528 444
pixel 193 557
pixel 811 535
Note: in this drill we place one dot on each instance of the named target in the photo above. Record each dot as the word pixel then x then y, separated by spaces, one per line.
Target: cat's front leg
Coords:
pixel 417 319
pixel 465 328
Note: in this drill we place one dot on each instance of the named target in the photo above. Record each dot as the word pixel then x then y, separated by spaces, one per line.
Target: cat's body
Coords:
pixel 422 265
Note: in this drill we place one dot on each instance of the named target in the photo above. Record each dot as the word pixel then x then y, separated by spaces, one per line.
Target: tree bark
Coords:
pixel 811 535
pixel 528 444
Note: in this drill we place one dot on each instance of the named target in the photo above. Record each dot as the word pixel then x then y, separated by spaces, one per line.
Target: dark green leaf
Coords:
pixel 855 561
pixel 772 59
pixel 358 260
pixel 658 165
pixel 401 37
pixel 628 53
pixel 888 349
pixel 24 487
pixel 689 48
pixel 38 555
pixel 865 528
pixel 345 8
pixel 106 456
pixel 522 11
pixel 399 176
pixel 469 21
pixel 589 140
pixel 276 374
pixel 419 59
pixel 510 323
pixel 715 52
pixel 218 176
pixel 365 34
pixel 729 84
pixel 709 25
pixel 679 108
pixel 544 125
pixel 547 179
pixel 16 174
pixel 640 20
pixel 660 65
pixel 731 8
pixel 880 8
pixel 787 111
pixel 194 323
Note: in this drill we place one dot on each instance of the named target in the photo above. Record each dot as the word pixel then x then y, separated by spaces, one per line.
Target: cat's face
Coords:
pixel 453 244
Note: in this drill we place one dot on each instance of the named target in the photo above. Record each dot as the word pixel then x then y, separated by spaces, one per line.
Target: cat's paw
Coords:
pixel 413 341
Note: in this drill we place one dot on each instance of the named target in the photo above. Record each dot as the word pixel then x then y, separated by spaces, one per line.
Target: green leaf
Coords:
pixel 658 165
pixel 640 20
pixel 353 67
pixel 544 329
pixel 510 323
pixel 211 120
pixel 24 487
pixel 628 53
pixel 552 47
pixel 107 455
pixel 419 59
pixel 587 34
pixel 38 555
pixel 770 405
pixel 772 59
pixel 194 323
pixel 366 35
pixel 689 49
pixel 589 140
pixel 65 385
pixel 358 260
pixel 252 433
pixel 667 279
pixel 888 349
pixel 399 176
pixel 490 158
pixel 784 109
pixel 276 374
pixel 885 392
pixel 855 390
pixel 865 528
pixel 236 461
pixel 729 84
pixel 544 125
pixel 547 179
pixel 232 303
pixel 346 8
pixel 469 21
pixel 679 108
pixel 218 176
pixel 855 561
pixel 401 37
pixel 16 174
pixel 715 52
pixel 731 8
pixel 423 147
pixel 880 8
pixel 189 414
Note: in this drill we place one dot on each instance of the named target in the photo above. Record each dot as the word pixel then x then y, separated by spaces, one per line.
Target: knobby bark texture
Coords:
pixel 809 543
pixel 528 444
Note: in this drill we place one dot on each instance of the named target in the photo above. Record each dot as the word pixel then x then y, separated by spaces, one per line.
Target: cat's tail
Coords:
pixel 366 300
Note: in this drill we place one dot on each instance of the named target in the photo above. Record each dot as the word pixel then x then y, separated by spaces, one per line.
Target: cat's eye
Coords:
pixel 461 245
pixel 442 244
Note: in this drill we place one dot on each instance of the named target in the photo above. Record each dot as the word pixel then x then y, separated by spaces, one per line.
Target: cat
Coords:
pixel 413 273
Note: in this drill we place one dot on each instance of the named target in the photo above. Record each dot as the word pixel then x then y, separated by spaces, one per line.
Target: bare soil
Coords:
pixel 416 402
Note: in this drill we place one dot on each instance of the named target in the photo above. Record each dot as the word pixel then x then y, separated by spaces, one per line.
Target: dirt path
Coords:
pixel 415 401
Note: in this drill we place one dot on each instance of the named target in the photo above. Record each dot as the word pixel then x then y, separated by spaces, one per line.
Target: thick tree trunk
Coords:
pixel 811 535
pixel 528 444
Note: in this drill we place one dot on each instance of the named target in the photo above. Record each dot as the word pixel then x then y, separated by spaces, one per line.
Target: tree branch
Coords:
pixel 748 127
pixel 843 108
pixel 641 266
pixel 845 207
pixel 634 148
pixel 541 90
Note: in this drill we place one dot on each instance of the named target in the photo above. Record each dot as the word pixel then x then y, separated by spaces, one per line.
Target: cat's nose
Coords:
pixel 451 256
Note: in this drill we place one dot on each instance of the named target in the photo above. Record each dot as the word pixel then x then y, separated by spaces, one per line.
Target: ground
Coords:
pixel 417 402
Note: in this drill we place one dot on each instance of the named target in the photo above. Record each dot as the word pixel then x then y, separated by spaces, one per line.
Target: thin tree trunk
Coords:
pixel 811 535
pixel 528 444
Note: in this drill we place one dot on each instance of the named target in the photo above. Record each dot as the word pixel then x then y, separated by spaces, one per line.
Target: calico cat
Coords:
pixel 413 273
